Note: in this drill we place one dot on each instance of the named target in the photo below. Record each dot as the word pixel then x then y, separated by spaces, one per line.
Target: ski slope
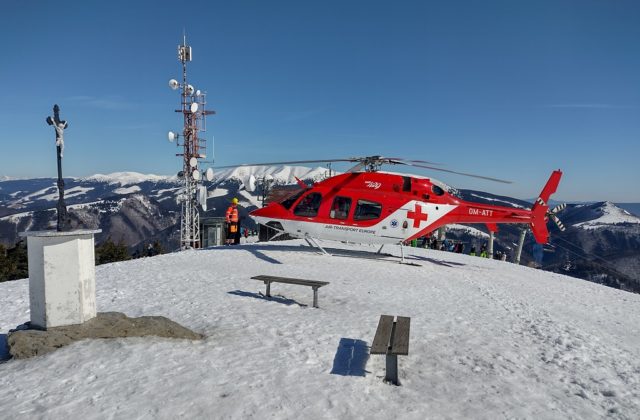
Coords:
pixel 488 340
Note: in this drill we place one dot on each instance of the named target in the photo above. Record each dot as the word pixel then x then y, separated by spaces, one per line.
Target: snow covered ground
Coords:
pixel 488 340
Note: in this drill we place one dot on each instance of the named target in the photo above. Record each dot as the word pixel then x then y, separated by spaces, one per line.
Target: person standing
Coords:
pixel 483 251
pixel 231 217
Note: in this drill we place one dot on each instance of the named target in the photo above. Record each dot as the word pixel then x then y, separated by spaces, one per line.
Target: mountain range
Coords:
pixel 601 243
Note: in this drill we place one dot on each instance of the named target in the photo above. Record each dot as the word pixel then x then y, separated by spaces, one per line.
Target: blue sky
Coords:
pixel 508 89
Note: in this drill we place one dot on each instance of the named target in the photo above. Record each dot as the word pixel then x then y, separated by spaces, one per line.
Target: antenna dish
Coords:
pixel 173 84
pixel 198 93
pixel 202 197
pixel 194 107
pixel 180 174
pixel 251 183
pixel 195 174
pixel 209 174
pixel 189 90
pixel 193 162
pixel 171 136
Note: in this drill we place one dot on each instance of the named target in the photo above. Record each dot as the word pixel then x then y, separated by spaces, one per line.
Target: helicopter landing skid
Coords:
pixel 313 244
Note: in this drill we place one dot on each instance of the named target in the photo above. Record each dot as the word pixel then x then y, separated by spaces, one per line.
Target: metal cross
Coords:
pixel 59 126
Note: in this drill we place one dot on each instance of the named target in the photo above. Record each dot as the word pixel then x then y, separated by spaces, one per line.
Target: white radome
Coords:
pixel 173 84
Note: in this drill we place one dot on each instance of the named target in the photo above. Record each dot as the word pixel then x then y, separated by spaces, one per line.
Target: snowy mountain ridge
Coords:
pixel 283 174
pixel 610 214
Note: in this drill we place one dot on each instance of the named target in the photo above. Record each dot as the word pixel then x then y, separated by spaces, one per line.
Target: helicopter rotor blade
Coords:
pixel 558 208
pixel 402 161
pixel 557 222
pixel 371 162
pixel 458 173
pixel 291 162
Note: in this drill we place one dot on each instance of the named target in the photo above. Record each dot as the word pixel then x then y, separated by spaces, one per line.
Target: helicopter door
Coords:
pixel 340 208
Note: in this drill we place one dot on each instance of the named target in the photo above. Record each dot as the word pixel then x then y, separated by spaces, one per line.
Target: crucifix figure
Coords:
pixel 59 126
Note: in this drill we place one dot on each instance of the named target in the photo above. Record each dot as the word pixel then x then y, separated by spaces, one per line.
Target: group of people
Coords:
pixel 455 246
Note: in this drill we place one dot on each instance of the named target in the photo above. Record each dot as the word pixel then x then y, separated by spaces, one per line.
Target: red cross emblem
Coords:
pixel 417 216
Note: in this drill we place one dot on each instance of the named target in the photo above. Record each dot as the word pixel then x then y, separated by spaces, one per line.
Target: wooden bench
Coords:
pixel 391 339
pixel 274 279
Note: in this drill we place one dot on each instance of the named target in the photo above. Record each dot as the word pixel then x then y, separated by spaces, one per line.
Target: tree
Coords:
pixel 13 262
pixel 108 251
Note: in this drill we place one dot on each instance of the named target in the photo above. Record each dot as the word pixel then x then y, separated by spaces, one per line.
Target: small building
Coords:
pixel 212 231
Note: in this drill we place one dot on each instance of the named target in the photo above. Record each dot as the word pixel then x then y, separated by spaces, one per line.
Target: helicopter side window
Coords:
pixel 340 208
pixel 437 190
pixel 367 210
pixel 309 205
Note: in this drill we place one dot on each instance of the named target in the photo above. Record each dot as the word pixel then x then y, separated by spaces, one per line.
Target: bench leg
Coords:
pixel 315 297
pixel 268 283
pixel 391 374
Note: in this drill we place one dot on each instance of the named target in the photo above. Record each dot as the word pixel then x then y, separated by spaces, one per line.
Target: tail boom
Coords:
pixel 540 209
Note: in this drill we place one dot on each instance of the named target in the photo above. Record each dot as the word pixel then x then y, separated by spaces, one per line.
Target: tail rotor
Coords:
pixel 552 215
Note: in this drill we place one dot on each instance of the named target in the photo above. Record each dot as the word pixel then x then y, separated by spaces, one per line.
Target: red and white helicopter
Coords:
pixel 369 206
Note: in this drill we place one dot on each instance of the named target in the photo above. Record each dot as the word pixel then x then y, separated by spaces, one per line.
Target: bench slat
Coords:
pixel 313 283
pixel 401 337
pixel 383 335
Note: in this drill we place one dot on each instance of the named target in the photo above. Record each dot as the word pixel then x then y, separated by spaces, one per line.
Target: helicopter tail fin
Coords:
pixel 540 209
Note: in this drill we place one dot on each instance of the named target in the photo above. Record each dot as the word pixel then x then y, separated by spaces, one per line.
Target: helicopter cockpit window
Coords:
pixel 309 205
pixel 437 190
pixel 367 210
pixel 289 201
pixel 340 208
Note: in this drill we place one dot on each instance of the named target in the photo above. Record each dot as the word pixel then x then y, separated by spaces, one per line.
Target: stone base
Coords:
pixel 25 342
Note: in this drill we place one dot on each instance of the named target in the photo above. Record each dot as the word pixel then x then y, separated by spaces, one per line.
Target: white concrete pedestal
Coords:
pixel 62 277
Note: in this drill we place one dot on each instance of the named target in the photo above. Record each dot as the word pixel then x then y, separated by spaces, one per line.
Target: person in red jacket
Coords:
pixel 231 217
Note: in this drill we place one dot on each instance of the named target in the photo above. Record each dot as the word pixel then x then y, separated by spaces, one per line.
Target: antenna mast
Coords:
pixel 194 148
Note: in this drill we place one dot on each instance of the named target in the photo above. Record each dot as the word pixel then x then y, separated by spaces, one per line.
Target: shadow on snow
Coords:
pixel 273 298
pixel 4 348
pixel 351 358
pixel 257 251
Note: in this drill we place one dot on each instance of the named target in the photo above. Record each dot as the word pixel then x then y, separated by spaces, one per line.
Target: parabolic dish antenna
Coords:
pixel 195 174
pixel 189 90
pixel 251 183
pixel 173 84
pixel 171 136
pixel 209 174
pixel 193 162
pixel 198 93
pixel 194 107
